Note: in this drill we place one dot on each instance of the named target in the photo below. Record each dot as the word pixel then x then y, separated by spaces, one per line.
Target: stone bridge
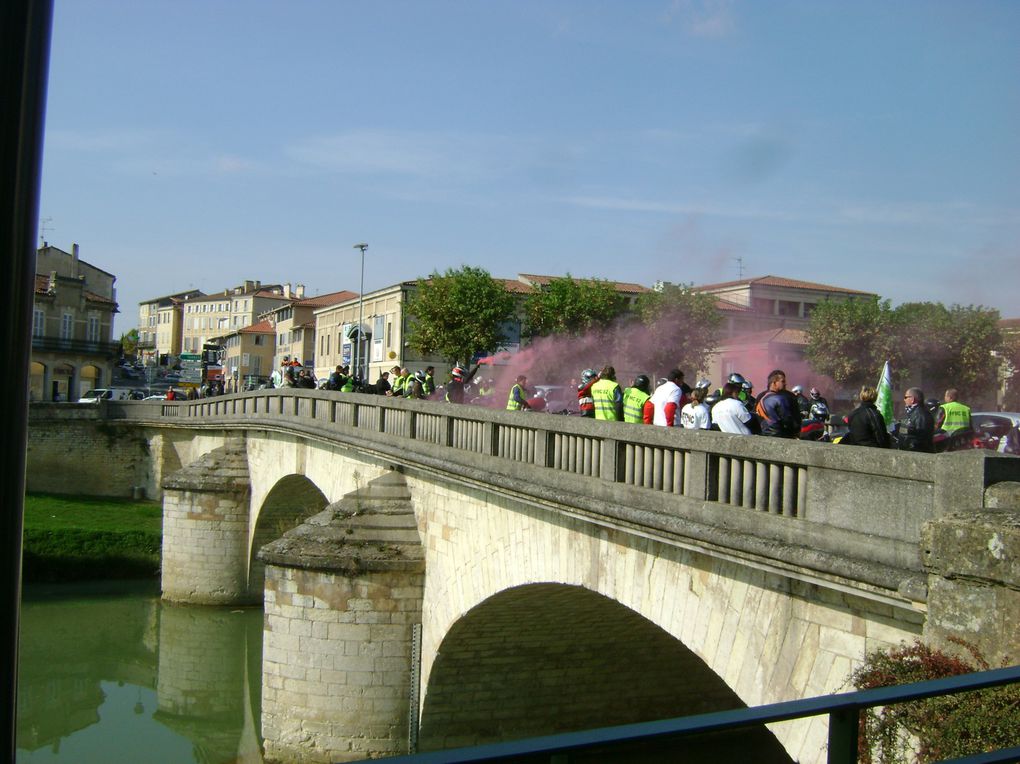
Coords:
pixel 436 575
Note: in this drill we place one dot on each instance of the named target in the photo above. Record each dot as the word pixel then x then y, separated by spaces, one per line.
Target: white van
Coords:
pixel 111 394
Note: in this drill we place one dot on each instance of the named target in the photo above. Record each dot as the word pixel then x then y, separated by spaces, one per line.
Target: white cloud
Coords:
pixel 704 18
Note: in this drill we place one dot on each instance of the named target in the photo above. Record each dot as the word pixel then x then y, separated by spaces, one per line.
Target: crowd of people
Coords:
pixel 733 407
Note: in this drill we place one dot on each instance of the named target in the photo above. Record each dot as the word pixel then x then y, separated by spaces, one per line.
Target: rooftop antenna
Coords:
pixel 43 228
pixel 740 268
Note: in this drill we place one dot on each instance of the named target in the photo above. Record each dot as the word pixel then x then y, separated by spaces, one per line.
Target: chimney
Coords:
pixel 248 285
pixel 299 291
pixel 286 290
pixel 74 260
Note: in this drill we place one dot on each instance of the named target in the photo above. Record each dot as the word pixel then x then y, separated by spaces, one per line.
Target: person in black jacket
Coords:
pixel 918 427
pixel 867 425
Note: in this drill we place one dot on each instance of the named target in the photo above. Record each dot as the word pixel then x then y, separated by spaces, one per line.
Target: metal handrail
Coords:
pixel 843 709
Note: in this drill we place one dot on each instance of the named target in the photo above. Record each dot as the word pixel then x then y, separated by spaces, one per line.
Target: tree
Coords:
pixel 1011 372
pixel 572 306
pixel 678 327
pixel 850 340
pixel 129 342
pixel 458 313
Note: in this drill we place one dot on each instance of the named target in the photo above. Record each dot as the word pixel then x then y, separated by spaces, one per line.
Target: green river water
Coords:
pixel 109 673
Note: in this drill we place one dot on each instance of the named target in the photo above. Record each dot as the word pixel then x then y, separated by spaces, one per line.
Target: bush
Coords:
pixel 934 729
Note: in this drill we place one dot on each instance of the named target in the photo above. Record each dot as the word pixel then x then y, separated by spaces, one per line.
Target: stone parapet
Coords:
pixel 973 564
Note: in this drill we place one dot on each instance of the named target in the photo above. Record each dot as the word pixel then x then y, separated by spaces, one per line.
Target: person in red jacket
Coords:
pixel 585 402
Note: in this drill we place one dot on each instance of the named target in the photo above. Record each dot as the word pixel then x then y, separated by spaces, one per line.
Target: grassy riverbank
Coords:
pixel 78 539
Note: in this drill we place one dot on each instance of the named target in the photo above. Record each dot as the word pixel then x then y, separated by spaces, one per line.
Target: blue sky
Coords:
pixel 870 145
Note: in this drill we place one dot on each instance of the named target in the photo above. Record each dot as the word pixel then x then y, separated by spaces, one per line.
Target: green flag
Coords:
pixel 884 402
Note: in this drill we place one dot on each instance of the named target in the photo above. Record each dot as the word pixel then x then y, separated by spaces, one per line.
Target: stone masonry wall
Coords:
pixel 336 664
pixel 205 548
pixel 86 457
pixel 769 637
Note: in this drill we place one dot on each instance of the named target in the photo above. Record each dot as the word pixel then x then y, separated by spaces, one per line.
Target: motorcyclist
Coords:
pixel 637 407
pixel 803 402
pixel 816 396
pixel 585 402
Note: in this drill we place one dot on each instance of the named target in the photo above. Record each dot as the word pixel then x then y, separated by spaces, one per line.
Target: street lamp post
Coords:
pixel 361 310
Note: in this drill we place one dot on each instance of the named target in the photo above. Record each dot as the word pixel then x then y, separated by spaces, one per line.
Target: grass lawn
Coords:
pixel 71 538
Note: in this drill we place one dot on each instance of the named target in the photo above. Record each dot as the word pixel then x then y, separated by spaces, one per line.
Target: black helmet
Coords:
pixel 819 411
pixel 932 404
pixel 736 379
pixel 641 382
pixel 420 375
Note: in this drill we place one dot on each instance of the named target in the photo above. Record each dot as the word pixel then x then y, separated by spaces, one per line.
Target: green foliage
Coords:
pixel 572 306
pixel 458 313
pixel 849 340
pixel 88 538
pixel 929 345
pixel 679 327
pixel 946 727
pixel 129 342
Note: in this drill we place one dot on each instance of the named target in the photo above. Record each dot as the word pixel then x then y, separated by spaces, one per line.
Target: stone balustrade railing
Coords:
pixel 827 511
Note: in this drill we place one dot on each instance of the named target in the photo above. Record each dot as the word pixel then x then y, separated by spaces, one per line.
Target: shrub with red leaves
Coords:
pixel 940 728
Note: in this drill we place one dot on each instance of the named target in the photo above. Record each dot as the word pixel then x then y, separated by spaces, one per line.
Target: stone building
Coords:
pixel 160 325
pixel 73 349
pixel 294 324
pixel 248 356
pixel 216 315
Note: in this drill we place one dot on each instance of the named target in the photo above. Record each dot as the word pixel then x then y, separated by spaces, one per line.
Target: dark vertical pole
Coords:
pixel 844 726
pixel 24 62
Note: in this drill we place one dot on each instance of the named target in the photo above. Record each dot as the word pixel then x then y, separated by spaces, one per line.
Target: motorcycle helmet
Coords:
pixel 588 375
pixel 712 398
pixel 660 382
pixel 819 411
pixel 457 373
pixel 815 394
pixel 420 375
pixel 736 379
pixel 641 382
pixel 703 384
pixel 748 387
pixel 797 390
pixel 932 404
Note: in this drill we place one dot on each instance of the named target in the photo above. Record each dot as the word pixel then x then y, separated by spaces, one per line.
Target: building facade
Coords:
pixel 247 356
pixel 213 316
pixel 73 347
pixel 160 324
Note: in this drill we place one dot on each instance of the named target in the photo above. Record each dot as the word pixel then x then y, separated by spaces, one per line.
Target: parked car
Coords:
pixel 173 378
pixel 991 427
pixel 111 394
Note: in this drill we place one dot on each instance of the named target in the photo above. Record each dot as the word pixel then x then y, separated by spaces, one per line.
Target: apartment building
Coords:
pixel 73 346
pixel 247 356
pixel 295 325
pixel 160 325
pixel 213 316
pixel 765 321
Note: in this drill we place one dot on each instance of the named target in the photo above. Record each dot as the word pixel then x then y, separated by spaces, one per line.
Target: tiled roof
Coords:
pixel 514 285
pixel 779 281
pixel 619 286
pixel 262 327
pixel 1009 324
pixel 325 300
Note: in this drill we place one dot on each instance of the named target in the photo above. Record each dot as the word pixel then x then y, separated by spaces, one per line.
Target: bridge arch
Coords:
pixel 291 501
pixel 545 658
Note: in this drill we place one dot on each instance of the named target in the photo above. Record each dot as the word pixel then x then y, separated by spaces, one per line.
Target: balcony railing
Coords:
pixel 58 344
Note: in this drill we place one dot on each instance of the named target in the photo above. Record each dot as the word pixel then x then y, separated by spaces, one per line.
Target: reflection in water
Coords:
pixel 110 673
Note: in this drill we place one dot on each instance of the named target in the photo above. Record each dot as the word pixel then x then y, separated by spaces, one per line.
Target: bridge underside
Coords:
pixel 548 658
